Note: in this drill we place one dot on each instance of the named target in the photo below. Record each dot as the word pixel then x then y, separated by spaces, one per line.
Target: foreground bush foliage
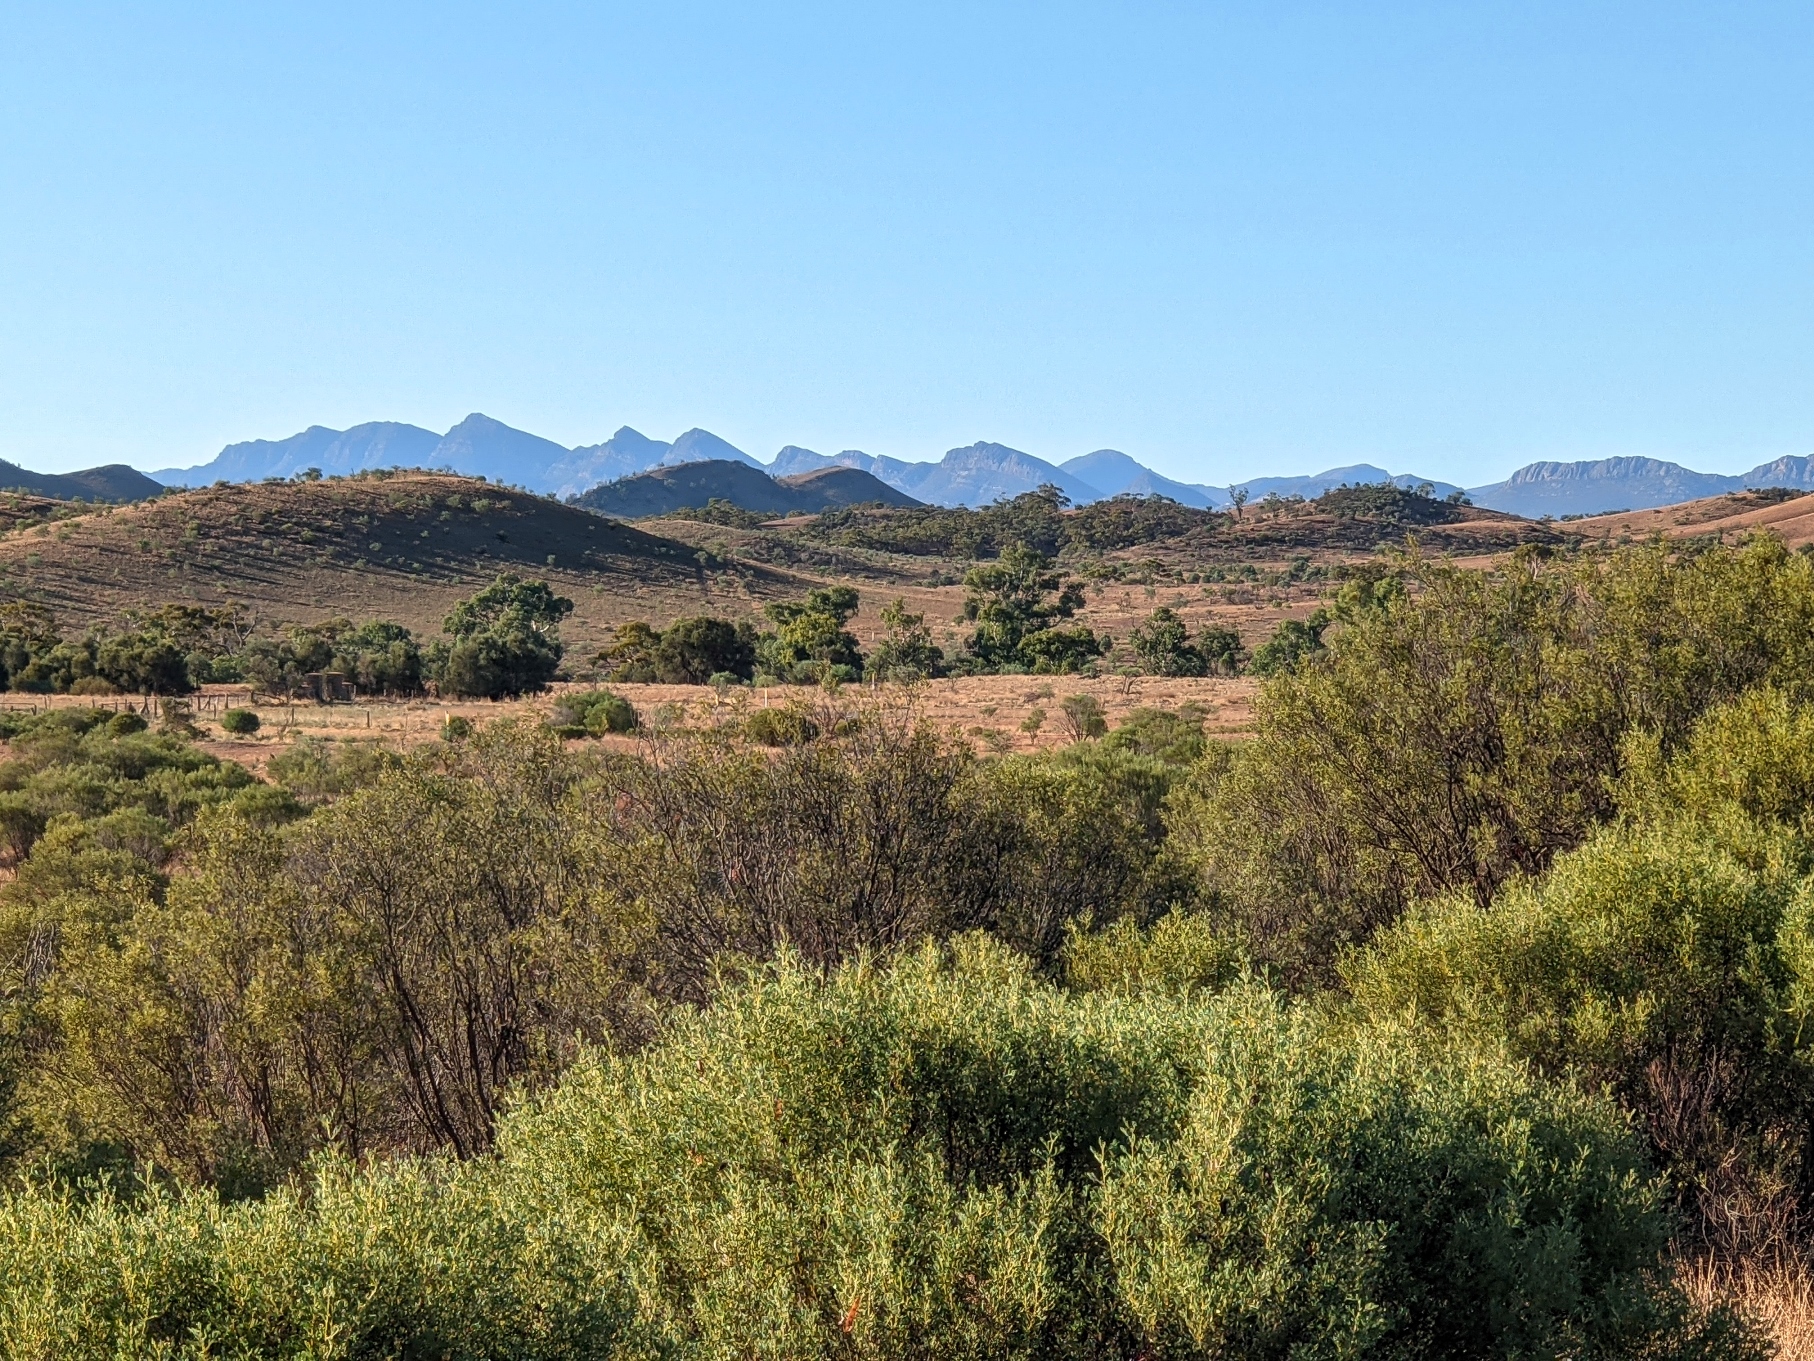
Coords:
pixel 449 926
pixel 946 1159
pixel 1465 731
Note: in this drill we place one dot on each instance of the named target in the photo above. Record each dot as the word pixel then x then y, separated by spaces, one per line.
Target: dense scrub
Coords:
pixel 381 974
pixel 1449 733
pixel 948 1159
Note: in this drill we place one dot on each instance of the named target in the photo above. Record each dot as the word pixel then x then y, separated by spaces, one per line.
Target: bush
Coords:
pixel 946 1159
pixel 1653 962
pixel 240 722
pixel 1179 954
pixel 1175 736
pixel 784 727
pixel 1083 717
pixel 456 729
pixel 593 713
pixel 123 724
pixel 1455 736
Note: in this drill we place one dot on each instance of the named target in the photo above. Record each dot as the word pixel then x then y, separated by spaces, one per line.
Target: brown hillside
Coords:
pixel 403 547
pixel 1787 514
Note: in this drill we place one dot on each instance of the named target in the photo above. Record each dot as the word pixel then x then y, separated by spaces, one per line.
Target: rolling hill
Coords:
pixel 113 482
pixel 662 491
pixel 1784 512
pixel 403 547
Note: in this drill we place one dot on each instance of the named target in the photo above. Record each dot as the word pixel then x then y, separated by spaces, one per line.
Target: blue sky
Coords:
pixel 1229 240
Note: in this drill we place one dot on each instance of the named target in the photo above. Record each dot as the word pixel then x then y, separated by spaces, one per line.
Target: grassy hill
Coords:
pixel 114 482
pixel 402 547
pixel 1787 514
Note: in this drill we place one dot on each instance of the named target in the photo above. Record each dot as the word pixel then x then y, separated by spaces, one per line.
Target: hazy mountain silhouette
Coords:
pixel 112 482
pixel 973 475
pixel 1113 473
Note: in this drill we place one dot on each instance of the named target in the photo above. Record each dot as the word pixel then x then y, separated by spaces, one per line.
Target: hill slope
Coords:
pixel 113 482
pixel 402 547
pixel 661 491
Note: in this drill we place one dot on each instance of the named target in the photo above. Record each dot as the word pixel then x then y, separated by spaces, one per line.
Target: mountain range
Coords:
pixel 973 475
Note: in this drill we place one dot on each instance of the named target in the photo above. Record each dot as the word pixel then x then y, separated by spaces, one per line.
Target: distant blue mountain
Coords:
pixel 973 475
pixel 1113 473
pixel 625 454
pixel 376 444
pixel 1595 486
pixel 1355 474
pixel 980 473
pixel 793 459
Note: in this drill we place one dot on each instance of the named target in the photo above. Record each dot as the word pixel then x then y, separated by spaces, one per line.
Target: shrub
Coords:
pixel 1651 961
pixel 240 722
pixel 456 728
pixel 1460 734
pixel 944 1159
pixel 593 713
pixel 788 726
pixel 1083 717
pixel 1163 646
pixel 1180 953
pixel 906 651
pixel 1175 736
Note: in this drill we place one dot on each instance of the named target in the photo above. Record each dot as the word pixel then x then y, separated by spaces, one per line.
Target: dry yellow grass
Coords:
pixel 1778 1296
pixel 992 713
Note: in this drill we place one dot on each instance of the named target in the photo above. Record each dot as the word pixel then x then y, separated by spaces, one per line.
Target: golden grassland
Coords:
pixel 996 714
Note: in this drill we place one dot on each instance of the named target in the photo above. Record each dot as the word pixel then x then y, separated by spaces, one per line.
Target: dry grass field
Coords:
pixel 994 713
pixel 1778 1297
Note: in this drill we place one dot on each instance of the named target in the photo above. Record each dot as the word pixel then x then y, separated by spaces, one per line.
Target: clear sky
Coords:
pixel 1229 240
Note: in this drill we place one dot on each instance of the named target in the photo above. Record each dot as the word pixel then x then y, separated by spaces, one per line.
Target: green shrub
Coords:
pixel 788 726
pixel 1179 953
pixel 1656 963
pixel 123 724
pixel 319 768
pixel 945 1159
pixel 240 722
pixel 1174 736
pixel 593 713
pixel 1458 735
pixel 456 728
